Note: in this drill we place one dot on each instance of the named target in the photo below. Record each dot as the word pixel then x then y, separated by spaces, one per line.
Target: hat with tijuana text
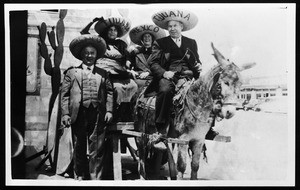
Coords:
pixel 187 18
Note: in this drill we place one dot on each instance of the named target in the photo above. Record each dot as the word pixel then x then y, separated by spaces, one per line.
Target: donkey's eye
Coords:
pixel 227 83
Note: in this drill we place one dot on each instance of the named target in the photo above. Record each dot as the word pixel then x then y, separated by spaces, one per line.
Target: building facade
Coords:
pixel 264 87
pixel 39 87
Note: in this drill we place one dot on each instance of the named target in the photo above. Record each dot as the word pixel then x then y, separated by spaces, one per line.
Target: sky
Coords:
pixel 242 33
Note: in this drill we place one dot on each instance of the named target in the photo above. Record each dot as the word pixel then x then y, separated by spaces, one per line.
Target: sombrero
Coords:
pixel 82 41
pixel 137 32
pixel 121 22
pixel 187 18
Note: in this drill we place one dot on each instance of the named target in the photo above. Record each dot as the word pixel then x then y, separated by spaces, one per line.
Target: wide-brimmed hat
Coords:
pixel 137 32
pixel 83 41
pixel 123 23
pixel 187 18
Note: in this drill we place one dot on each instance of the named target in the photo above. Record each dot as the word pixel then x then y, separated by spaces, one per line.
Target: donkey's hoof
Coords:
pixel 194 176
pixel 142 178
pixel 179 176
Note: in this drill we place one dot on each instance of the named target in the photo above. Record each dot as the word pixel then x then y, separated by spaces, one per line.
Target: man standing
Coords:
pixel 87 104
pixel 173 57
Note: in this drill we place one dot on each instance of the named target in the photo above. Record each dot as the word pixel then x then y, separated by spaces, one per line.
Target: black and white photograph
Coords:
pixel 158 94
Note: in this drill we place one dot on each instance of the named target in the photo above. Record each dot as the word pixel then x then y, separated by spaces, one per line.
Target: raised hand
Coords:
pixel 98 19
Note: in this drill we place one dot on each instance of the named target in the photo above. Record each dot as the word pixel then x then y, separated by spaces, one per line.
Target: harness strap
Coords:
pixel 192 112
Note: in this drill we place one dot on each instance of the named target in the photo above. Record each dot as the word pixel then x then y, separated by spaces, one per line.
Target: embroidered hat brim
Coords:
pixel 83 41
pixel 123 23
pixel 137 32
pixel 187 18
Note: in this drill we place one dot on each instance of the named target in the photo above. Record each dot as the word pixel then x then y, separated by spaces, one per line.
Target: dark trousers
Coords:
pixel 164 101
pixel 82 129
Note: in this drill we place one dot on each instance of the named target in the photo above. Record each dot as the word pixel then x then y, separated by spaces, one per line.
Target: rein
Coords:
pixel 191 111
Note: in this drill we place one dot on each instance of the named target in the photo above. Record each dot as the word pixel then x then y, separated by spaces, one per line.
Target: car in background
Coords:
pixel 253 104
pixel 239 104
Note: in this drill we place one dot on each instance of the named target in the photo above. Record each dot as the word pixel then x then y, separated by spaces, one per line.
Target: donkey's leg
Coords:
pixel 181 159
pixel 196 147
pixel 141 144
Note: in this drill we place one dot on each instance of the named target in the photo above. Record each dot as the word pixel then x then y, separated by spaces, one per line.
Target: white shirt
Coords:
pixel 88 70
pixel 177 41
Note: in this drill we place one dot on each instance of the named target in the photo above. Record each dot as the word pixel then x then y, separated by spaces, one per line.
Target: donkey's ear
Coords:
pixel 216 53
pixel 219 57
pixel 216 77
pixel 247 66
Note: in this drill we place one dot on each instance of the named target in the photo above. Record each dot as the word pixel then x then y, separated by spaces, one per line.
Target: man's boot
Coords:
pixel 211 134
pixel 162 130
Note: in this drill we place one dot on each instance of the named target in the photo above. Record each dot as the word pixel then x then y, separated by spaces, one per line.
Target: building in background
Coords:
pixel 264 87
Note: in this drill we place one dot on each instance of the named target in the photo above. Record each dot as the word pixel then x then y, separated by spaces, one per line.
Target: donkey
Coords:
pixel 193 120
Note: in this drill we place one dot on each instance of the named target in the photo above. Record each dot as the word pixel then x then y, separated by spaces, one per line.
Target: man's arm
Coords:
pixel 65 99
pixel 65 94
pixel 196 52
pixel 109 99
pixel 195 63
pixel 86 29
pixel 109 94
pixel 155 61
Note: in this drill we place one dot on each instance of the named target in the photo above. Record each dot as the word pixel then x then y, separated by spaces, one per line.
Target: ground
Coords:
pixel 258 150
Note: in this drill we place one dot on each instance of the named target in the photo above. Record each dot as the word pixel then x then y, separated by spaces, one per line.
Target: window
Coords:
pixel 248 96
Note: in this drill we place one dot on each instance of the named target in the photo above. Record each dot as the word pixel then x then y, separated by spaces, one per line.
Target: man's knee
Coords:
pixel 166 86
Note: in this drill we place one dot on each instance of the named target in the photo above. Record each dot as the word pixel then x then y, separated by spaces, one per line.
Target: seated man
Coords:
pixel 173 56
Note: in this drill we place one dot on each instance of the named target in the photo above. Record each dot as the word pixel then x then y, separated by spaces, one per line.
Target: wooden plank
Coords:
pixel 170 140
pixel 125 127
pixel 132 133
pixel 117 157
pixel 121 126
pixel 178 141
pixel 221 138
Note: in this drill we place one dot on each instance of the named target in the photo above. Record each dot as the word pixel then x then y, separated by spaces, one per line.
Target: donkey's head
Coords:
pixel 226 83
pixel 229 76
